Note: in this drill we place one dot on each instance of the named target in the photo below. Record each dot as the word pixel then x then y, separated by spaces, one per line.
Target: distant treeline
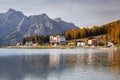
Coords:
pixel 112 30
pixel 36 39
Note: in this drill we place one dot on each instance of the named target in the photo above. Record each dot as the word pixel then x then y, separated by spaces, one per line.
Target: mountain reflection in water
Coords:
pixel 55 65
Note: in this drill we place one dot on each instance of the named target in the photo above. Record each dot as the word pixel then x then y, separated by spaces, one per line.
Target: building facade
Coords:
pixel 93 41
pixel 80 43
pixel 72 43
pixel 110 44
pixel 58 39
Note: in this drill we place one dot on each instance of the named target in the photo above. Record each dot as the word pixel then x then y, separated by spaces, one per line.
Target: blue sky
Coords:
pixel 83 13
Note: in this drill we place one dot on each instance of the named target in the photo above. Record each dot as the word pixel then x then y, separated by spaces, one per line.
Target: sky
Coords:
pixel 83 13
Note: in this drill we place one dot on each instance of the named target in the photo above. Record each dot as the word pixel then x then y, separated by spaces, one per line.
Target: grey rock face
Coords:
pixel 14 25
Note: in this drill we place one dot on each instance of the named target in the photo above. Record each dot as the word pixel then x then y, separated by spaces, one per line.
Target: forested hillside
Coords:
pixel 112 30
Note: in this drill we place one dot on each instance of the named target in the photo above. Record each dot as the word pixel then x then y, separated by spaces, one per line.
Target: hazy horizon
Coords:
pixel 82 13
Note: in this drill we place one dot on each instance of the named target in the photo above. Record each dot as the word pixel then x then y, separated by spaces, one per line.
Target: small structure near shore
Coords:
pixel 58 39
pixel 93 41
pixel 110 44
pixel 80 43
pixel 72 43
pixel 29 43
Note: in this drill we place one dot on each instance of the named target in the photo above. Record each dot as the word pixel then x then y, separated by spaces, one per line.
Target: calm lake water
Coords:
pixel 59 64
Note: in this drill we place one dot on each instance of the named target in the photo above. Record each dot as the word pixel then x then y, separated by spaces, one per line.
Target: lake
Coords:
pixel 59 64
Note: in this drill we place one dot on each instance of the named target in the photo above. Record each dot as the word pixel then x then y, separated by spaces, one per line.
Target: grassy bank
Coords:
pixel 44 47
pixel 59 47
pixel 36 47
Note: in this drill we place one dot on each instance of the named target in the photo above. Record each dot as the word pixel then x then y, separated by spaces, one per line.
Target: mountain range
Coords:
pixel 14 26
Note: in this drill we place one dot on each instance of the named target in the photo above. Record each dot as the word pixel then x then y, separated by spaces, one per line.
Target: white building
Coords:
pixel 58 39
pixel 29 43
pixel 110 44
pixel 80 43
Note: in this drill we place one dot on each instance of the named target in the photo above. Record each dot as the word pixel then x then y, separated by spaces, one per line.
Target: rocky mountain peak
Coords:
pixel 14 12
pixel 43 15
pixel 58 19
pixel 11 10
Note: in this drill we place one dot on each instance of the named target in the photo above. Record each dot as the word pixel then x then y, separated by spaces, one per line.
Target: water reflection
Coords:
pixel 58 66
pixel 54 59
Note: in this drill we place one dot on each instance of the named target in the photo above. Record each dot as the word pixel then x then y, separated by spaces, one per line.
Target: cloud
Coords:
pixel 80 12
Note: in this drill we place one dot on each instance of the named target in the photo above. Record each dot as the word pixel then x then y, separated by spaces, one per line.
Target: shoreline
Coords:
pixel 59 47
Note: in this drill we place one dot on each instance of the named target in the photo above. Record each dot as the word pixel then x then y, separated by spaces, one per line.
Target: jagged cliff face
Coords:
pixel 14 25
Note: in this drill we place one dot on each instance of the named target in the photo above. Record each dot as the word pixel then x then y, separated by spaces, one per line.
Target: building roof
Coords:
pixel 92 38
pixel 57 35
pixel 80 41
